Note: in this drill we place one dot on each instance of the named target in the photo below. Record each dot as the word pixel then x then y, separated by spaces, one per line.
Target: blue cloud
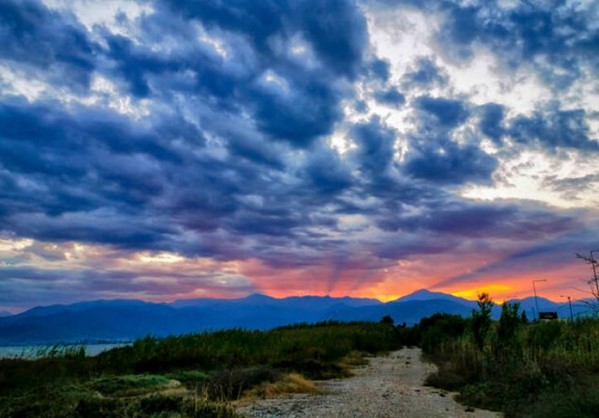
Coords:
pixel 233 158
pixel 337 31
pixel 390 97
pixel 327 173
pixel 375 142
pixel 378 69
pixel 554 129
pixel 425 74
pixel 304 105
pixel 564 41
pixel 491 119
pixel 447 112
pixel 450 163
pixel 31 34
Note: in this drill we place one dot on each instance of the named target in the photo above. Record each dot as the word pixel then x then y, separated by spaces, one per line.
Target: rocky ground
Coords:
pixel 389 386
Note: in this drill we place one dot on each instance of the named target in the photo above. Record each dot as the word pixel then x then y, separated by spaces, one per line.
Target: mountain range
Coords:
pixel 123 320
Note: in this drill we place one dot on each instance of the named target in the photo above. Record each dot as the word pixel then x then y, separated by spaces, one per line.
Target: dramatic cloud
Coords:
pixel 165 149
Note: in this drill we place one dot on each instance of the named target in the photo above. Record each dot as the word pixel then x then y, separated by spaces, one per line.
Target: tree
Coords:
pixel 387 319
pixel 509 321
pixel 481 319
pixel 594 281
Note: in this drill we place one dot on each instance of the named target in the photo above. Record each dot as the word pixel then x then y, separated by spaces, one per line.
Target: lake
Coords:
pixel 31 352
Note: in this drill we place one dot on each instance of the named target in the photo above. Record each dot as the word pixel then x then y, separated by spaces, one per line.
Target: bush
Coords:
pixel 481 319
pixel 158 376
pixel 541 369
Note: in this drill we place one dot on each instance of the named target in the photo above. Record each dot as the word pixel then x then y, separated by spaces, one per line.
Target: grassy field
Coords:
pixel 187 376
pixel 546 369
pixel 524 369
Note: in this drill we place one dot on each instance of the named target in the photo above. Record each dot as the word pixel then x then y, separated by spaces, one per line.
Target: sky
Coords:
pixel 164 150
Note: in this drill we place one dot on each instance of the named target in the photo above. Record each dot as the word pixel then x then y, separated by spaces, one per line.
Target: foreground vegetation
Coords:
pixel 187 376
pixel 545 369
pixel 524 369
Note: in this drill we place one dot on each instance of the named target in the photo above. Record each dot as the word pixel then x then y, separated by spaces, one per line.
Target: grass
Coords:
pixel 529 370
pixel 289 383
pixel 523 369
pixel 187 376
pixel 132 385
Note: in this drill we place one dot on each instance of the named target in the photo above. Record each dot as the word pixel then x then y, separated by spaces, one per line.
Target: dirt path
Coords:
pixel 389 386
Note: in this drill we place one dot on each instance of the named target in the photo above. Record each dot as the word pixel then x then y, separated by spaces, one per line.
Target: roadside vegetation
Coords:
pixel 522 368
pixel 187 376
pixel 540 369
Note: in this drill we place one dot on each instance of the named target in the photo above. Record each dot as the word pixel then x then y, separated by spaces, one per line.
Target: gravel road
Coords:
pixel 389 386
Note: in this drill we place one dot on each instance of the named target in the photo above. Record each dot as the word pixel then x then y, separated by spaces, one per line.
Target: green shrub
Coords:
pixel 547 369
pixel 128 385
pixel 481 319
pixel 183 375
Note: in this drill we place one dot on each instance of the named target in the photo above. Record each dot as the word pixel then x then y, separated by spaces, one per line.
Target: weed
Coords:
pixel 290 383
pixel 189 375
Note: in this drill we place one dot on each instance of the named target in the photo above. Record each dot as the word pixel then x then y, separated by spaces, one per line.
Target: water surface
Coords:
pixel 36 351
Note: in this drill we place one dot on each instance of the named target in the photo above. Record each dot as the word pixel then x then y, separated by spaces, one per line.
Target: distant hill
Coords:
pixel 4 314
pixel 427 295
pixel 562 309
pixel 118 320
pixel 410 311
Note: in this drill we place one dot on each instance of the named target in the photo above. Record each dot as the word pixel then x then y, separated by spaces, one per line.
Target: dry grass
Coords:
pixel 290 383
pixel 354 359
pixel 351 361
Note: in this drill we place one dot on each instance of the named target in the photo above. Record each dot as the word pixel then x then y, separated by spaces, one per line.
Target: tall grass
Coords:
pixel 540 369
pixel 178 372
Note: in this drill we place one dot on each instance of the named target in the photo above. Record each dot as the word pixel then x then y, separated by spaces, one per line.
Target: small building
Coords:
pixel 548 316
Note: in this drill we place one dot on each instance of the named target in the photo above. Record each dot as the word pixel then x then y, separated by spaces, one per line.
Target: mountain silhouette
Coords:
pixel 119 320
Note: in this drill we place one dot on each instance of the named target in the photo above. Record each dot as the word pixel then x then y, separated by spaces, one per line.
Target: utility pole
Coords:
pixel 534 289
pixel 569 303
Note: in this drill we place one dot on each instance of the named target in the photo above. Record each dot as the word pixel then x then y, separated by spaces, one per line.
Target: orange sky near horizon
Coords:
pixel 568 280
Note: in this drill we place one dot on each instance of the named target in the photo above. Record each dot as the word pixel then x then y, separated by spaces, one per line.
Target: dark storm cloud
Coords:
pixel 327 173
pixel 375 142
pixel 401 247
pixel 336 30
pixel 451 164
pixel 558 38
pixel 425 73
pixel 63 285
pixel 572 188
pixel 378 69
pixel 304 108
pixel 461 222
pixel 93 176
pixel 496 221
pixel 435 155
pixel 33 35
pixel 553 129
pixel 223 148
pixel 447 112
pixel 135 64
pixel 390 97
pixel 491 119
pixel 299 118
pixel 103 227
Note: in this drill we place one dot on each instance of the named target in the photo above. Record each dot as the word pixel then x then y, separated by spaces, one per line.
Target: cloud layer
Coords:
pixel 177 149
